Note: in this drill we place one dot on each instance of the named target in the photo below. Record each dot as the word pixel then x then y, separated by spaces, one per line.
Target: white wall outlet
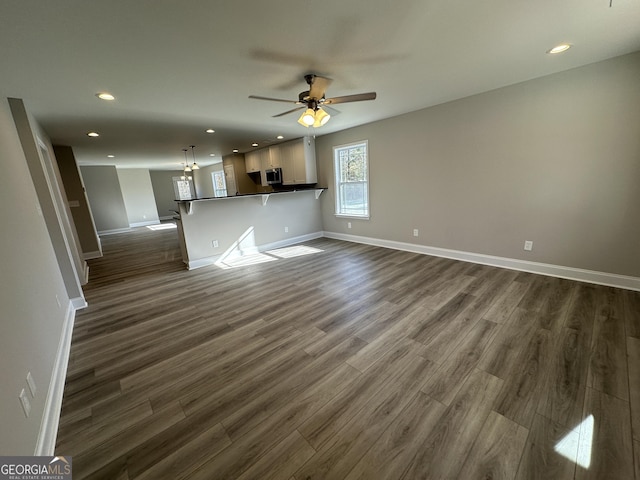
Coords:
pixel 32 384
pixel 286 229
pixel 348 224
pixel 215 243
pixel 415 232
pixel 26 404
pixel 528 245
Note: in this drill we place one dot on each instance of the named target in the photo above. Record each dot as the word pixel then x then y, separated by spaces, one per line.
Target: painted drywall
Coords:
pixel 77 201
pixel 31 285
pixel 137 193
pixel 163 192
pixel 46 180
pixel 244 183
pixel 105 198
pixel 203 181
pixel 554 160
pixel 228 220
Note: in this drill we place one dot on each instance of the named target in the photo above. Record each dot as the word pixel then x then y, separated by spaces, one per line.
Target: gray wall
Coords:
pixel 105 197
pixel 78 203
pixel 554 160
pixel 31 286
pixel 203 182
pixel 163 192
pixel 137 193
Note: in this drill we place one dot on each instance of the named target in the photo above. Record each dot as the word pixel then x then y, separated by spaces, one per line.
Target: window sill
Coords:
pixel 354 217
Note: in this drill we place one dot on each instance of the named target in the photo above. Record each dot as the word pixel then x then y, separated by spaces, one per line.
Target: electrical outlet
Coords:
pixel 215 243
pixel 415 232
pixel 528 245
pixel 348 224
pixel 286 229
pixel 26 404
pixel 32 384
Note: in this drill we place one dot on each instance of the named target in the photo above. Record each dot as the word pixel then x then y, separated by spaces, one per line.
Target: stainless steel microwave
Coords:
pixel 274 176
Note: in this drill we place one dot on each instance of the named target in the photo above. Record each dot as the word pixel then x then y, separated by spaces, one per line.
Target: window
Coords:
pixel 183 188
pixel 219 184
pixel 352 180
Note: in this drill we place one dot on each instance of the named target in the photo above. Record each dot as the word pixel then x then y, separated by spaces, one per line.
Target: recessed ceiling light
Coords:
pixel 212 154
pixel 93 134
pixel 105 96
pixel 235 150
pixel 560 48
pixel 279 137
pixel 210 130
pixel 111 156
pixel 254 144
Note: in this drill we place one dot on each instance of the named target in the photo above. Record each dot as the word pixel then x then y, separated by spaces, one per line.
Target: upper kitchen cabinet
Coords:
pixel 298 161
pixel 253 161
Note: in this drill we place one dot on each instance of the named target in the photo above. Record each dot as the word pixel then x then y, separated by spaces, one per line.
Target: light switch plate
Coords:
pixel 26 404
pixel 32 384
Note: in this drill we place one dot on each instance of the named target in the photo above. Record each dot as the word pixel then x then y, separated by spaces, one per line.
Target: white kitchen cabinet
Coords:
pixel 252 161
pixel 298 161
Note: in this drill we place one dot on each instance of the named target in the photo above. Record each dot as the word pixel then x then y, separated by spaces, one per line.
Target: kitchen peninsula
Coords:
pixel 215 229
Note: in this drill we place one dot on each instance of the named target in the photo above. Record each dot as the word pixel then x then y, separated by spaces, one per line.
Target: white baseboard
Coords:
pixel 53 404
pixel 203 262
pixel 90 255
pixel 144 224
pixel 570 273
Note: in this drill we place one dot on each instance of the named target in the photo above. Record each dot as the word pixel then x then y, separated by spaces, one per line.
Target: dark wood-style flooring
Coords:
pixel 346 361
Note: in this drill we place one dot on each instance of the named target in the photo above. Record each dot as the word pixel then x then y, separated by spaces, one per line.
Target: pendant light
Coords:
pixel 193 153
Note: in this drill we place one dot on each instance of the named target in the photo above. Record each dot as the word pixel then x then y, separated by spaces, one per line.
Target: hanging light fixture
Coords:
pixel 321 117
pixel 193 153
pixel 307 118
pixel 186 166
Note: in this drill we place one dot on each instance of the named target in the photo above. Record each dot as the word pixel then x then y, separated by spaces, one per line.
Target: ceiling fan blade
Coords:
pixel 351 98
pixel 256 97
pixel 331 111
pixel 288 112
pixel 318 86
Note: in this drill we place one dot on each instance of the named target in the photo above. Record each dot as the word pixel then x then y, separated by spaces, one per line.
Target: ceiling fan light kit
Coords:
pixel 313 99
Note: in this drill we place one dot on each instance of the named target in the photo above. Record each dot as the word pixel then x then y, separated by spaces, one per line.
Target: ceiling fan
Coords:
pixel 314 103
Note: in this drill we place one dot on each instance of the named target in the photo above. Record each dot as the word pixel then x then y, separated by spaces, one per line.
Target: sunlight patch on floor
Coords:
pixel 577 444
pixel 162 226
pixel 294 251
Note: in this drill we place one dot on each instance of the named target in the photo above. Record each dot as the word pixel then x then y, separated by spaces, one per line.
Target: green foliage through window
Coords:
pixel 352 180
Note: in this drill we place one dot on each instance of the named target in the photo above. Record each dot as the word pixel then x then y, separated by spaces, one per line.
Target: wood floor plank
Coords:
pixel 390 454
pixel 607 366
pixel 632 313
pixel 338 456
pixel 541 458
pixel 325 424
pixel 499 357
pixel 563 395
pixel 497 450
pixel 633 350
pixel 187 457
pixel 605 444
pixel 441 455
pixel 283 460
pixel 525 382
pixel 249 372
pixel 445 383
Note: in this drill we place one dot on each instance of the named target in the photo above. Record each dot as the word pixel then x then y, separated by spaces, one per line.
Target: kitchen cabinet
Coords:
pixel 298 161
pixel 252 161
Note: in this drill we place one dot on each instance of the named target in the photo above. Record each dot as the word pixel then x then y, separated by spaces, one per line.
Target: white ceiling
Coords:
pixel 180 67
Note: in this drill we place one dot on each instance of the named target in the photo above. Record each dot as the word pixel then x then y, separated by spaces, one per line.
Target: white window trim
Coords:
pixel 335 180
